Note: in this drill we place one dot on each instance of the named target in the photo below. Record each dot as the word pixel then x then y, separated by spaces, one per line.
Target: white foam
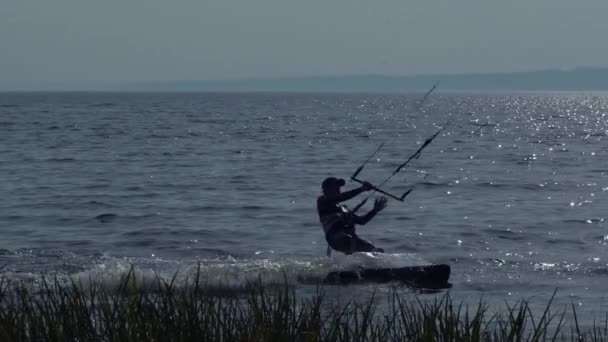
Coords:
pixel 152 273
pixel 224 272
pixel 375 260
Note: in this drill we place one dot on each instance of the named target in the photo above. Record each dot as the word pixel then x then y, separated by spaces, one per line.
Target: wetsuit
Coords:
pixel 339 226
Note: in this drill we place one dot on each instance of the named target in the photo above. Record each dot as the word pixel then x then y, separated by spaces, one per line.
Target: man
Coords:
pixel 339 223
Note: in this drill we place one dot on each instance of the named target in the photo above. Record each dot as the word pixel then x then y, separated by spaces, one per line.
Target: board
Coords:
pixel 428 276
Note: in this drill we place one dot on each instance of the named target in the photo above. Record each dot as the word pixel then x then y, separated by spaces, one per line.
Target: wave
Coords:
pixel 584 221
pixel 520 186
pixel 66 159
pixel 106 217
pixel 431 184
pixel 565 242
pixel 225 273
pixel 233 273
pixel 14 217
pixel 102 105
pixel 111 217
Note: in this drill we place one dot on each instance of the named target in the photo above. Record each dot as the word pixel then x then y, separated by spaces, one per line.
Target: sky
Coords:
pixel 144 40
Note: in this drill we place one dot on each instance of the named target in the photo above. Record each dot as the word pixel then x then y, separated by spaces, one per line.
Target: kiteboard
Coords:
pixel 428 276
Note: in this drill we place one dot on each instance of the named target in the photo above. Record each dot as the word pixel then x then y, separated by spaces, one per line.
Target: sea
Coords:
pixel 512 193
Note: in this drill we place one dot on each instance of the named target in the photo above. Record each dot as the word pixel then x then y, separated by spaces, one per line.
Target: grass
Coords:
pixel 194 312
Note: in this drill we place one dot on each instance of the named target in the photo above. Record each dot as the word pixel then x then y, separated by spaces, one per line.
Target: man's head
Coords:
pixel 331 185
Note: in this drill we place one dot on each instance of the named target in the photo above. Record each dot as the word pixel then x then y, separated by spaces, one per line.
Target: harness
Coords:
pixel 329 221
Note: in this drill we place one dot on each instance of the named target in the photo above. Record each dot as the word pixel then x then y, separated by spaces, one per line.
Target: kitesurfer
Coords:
pixel 339 222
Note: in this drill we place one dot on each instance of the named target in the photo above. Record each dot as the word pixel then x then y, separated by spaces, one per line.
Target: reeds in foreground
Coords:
pixel 193 312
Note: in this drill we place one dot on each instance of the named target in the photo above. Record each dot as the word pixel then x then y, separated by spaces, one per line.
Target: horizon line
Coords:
pixel 346 75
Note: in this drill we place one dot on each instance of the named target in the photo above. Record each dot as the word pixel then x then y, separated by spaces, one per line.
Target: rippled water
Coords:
pixel 512 194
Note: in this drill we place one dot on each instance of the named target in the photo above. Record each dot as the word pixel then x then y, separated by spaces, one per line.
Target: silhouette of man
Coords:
pixel 339 222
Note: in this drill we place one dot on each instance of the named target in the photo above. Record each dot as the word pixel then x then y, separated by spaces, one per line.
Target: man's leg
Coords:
pixel 342 242
pixel 365 246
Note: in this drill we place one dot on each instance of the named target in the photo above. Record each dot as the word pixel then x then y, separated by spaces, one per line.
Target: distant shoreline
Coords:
pixel 576 80
pixel 406 92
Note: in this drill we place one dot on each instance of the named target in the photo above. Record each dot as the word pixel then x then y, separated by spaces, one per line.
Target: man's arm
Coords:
pixel 365 218
pixel 345 196
pixel 379 204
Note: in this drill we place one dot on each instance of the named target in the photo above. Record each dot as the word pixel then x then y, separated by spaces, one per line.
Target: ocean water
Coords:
pixel 513 193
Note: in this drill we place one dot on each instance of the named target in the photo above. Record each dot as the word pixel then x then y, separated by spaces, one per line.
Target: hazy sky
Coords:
pixel 224 39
